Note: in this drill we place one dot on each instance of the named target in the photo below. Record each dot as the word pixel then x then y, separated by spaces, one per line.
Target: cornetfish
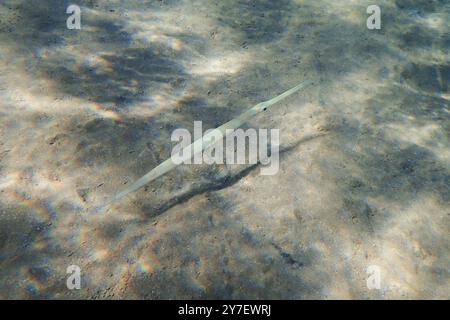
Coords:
pixel 201 144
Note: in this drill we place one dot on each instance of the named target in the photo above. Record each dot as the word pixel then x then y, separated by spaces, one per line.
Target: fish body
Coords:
pixel 202 143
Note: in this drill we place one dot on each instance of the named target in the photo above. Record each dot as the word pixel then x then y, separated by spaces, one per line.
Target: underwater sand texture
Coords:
pixel 364 162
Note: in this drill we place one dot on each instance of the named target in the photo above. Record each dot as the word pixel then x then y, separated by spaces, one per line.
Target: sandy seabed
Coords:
pixel 364 174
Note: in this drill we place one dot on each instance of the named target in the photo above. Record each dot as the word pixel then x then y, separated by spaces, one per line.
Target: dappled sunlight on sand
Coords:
pixel 364 152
